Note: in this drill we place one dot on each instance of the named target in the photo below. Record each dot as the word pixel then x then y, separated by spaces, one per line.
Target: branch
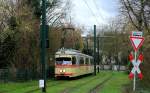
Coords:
pixel 129 14
pixel 143 3
pixel 138 17
pixel 130 7
pixel 146 23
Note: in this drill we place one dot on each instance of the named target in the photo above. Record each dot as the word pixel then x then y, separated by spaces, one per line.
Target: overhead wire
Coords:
pixel 98 9
pixel 93 14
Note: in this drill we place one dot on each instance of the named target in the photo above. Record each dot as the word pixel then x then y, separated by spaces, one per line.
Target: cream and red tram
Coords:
pixel 72 63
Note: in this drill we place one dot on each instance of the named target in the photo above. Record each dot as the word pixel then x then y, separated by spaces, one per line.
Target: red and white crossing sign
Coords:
pixel 136 42
pixel 136 66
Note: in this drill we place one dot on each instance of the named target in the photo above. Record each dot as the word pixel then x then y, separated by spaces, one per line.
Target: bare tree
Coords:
pixel 138 12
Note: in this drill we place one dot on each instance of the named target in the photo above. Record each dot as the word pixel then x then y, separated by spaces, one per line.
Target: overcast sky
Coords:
pixel 89 12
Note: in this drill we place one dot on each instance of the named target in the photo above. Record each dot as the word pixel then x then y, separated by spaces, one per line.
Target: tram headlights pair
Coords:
pixel 62 70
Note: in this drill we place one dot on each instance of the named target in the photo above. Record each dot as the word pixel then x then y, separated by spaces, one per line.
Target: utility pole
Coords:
pixel 87 47
pixel 43 44
pixel 98 54
pixel 95 50
pixel 100 44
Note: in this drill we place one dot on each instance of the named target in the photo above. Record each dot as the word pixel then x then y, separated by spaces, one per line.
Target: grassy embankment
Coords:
pixel 83 85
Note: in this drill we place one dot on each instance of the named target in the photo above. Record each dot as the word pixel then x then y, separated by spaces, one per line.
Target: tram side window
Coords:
pixel 81 60
pixel 91 61
pixel 87 61
pixel 73 60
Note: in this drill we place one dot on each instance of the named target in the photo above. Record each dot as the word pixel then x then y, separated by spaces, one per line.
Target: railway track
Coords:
pixel 68 90
pixel 100 85
pixel 77 87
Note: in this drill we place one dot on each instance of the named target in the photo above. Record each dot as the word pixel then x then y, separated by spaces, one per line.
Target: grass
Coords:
pixel 21 87
pixel 115 85
pixel 16 87
pixel 83 85
pixel 98 79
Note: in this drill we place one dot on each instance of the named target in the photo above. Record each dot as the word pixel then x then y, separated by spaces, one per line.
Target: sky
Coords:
pixel 90 12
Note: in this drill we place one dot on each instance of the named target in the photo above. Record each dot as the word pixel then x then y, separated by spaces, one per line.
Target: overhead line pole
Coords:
pixel 98 59
pixel 95 50
pixel 87 47
pixel 101 40
pixel 43 37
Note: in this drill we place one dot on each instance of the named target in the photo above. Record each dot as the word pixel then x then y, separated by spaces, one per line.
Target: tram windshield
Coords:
pixel 63 61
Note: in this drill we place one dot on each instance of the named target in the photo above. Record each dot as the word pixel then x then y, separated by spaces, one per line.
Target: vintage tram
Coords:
pixel 72 63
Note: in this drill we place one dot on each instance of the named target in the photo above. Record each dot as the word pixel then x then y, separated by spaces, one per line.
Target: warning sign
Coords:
pixel 136 42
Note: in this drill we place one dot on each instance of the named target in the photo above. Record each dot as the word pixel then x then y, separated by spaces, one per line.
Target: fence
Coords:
pixel 112 67
pixel 21 75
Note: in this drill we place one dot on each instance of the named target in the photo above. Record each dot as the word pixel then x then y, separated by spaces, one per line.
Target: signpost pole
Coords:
pixel 134 80
pixel 137 41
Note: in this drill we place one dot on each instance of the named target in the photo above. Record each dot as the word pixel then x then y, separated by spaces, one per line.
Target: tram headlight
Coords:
pixel 64 70
pixel 60 70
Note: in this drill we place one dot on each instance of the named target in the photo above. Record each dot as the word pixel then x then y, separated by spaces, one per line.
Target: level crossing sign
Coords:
pixel 137 41
pixel 136 65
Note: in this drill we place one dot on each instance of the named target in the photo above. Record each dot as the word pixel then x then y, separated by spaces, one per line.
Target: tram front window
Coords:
pixel 63 61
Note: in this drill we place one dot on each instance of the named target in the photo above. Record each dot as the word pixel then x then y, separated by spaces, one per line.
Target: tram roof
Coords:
pixel 70 51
